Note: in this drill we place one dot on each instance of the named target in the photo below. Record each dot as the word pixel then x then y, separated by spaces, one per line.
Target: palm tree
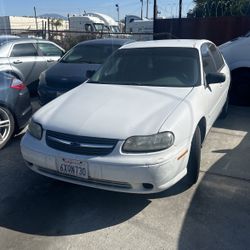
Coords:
pixel 57 23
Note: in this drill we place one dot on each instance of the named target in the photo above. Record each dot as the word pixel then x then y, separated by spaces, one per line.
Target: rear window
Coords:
pixel 49 49
pixel 23 49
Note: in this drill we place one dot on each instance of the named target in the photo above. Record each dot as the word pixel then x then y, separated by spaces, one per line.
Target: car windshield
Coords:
pixel 101 27
pixel 168 67
pixel 92 54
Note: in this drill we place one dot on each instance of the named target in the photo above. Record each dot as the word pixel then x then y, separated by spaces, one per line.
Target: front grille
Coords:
pixel 80 144
pixel 90 180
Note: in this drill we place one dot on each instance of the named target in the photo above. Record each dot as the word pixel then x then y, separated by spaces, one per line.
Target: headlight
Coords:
pixel 151 143
pixel 35 129
pixel 42 78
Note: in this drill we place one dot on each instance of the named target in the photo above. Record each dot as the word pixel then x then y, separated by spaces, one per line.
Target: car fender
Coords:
pixel 185 118
pixel 7 106
pixel 12 70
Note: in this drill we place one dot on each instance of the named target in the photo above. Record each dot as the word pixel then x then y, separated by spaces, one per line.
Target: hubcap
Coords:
pixel 4 126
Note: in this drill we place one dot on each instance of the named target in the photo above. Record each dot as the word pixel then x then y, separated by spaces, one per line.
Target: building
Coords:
pixel 16 24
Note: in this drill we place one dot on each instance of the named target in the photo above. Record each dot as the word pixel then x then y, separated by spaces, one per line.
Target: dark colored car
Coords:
pixel 76 66
pixel 15 107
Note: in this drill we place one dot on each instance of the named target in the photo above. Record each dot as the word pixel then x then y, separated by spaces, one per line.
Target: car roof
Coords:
pixel 181 43
pixel 22 40
pixel 107 41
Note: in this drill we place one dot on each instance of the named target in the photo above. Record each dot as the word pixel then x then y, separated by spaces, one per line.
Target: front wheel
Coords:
pixel 7 126
pixel 193 167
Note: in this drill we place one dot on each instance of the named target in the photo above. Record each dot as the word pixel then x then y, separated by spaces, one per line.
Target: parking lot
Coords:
pixel 40 213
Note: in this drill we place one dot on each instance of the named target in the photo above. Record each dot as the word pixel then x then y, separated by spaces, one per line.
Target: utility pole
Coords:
pixel 35 18
pixel 141 9
pixel 155 10
pixel 154 18
pixel 118 12
pixel 180 8
pixel 147 9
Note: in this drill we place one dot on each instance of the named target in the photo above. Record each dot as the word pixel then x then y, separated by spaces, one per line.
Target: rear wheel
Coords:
pixel 7 126
pixel 193 167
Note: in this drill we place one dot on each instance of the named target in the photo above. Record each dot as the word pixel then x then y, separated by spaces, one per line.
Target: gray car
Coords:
pixel 15 107
pixel 27 58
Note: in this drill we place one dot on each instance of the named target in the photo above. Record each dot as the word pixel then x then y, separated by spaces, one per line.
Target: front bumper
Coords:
pixel 144 173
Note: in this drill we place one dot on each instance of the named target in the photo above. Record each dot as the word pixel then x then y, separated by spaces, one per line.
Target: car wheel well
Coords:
pixel 14 74
pixel 203 127
pixel 3 105
pixel 240 87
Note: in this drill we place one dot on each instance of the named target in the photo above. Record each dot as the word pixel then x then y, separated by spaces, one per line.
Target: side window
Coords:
pixel 49 49
pixel 88 27
pixel 217 57
pixel 207 60
pixel 23 49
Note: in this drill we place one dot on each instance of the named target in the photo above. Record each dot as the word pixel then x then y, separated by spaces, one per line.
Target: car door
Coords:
pixel 213 92
pixel 50 52
pixel 24 57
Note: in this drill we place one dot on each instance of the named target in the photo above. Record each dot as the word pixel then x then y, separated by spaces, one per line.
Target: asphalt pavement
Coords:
pixel 40 213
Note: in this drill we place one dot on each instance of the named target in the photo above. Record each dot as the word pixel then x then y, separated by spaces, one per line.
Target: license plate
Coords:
pixel 72 167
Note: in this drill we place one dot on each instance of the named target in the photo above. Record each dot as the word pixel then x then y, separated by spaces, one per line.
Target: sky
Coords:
pixel 167 8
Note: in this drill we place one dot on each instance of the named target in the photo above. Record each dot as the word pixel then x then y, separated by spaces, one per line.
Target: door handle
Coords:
pixel 17 62
pixel 50 60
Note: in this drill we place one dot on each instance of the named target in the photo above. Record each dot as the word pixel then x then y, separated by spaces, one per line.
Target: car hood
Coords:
pixel 111 111
pixel 66 76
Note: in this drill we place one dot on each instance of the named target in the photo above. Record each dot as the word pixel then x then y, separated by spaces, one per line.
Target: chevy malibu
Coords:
pixel 137 125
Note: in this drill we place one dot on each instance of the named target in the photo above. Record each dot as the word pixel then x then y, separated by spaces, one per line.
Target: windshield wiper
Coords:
pixel 84 61
pixel 91 81
pixel 62 61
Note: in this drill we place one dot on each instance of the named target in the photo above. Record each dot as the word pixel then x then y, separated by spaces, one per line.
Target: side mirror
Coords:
pixel 212 78
pixel 90 73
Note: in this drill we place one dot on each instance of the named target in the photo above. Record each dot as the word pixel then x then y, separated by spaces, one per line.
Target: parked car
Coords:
pixel 237 55
pixel 15 108
pixel 73 68
pixel 6 38
pixel 138 124
pixel 26 58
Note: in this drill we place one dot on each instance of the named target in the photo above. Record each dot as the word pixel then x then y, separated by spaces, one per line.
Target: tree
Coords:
pixel 214 8
pixel 57 23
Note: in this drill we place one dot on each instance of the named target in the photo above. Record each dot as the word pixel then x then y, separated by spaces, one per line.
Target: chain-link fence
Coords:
pixel 68 39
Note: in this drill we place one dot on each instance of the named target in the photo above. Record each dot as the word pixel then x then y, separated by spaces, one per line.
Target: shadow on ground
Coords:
pixel 219 213
pixel 33 204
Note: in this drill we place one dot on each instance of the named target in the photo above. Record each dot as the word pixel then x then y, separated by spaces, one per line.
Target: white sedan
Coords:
pixel 137 125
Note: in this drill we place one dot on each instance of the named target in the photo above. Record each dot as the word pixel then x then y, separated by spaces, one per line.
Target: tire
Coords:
pixel 193 167
pixel 224 111
pixel 7 126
